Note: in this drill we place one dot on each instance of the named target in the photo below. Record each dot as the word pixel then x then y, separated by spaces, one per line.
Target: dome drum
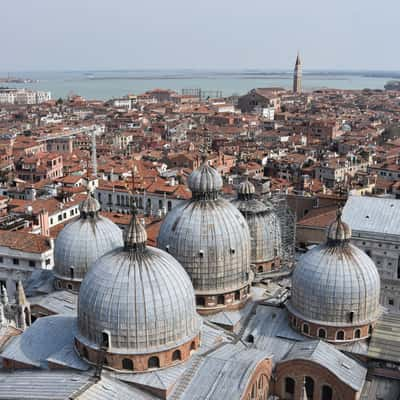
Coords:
pixel 331 333
pixel 335 289
pixel 138 362
pixel 268 266
pixel 211 303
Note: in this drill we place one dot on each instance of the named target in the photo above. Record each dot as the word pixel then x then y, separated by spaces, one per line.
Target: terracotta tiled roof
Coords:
pixel 26 242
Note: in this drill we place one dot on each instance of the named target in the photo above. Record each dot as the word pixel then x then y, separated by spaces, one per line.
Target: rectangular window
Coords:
pixel 15 261
pixel 32 263
pixel 1 259
pixel 60 217
pixel 391 302
pixel 48 261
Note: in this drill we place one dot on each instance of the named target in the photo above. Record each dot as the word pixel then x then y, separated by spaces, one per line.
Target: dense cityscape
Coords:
pixel 184 245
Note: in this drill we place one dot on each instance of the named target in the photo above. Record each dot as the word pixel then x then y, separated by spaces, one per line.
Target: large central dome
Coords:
pixel 335 289
pixel 211 239
pixel 138 303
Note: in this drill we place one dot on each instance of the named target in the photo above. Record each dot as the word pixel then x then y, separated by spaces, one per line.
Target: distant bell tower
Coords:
pixel 297 75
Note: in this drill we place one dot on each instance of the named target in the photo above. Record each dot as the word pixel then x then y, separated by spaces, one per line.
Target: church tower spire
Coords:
pixel 297 75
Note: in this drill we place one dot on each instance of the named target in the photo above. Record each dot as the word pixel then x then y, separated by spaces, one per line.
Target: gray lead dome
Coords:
pixel 336 283
pixel 82 242
pixel 208 236
pixel 140 296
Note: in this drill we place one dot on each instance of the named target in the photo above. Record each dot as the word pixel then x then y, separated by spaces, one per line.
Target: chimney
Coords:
pixel 44 223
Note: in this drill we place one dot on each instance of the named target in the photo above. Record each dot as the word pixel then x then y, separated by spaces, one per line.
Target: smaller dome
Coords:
pixel 338 231
pixel 136 235
pixel 246 188
pixel 205 180
pixel 89 206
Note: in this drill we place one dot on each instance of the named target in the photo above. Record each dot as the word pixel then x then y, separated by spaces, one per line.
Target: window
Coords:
pixel 237 295
pixel 71 213
pixel 305 329
pixel 69 286
pixel 153 362
pixel 391 302
pixel 193 346
pixel 71 273
pixel 309 384
pixel 357 334
pixel 250 339
pixel 200 301
pixel 221 299
pixel 85 353
pixel 105 340
pixel 51 221
pixel 322 333
pixel 15 261
pixel 176 355
pixel 290 386
pixel 169 205
pixel 59 217
pixel 127 364
pixel 340 335
pixel 32 263
pixel 1 259
pixel 48 261
pixel 64 215
pixel 326 393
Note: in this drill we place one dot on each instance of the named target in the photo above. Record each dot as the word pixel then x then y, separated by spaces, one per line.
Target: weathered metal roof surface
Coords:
pixel 112 389
pixel 48 339
pixel 373 214
pixel 224 374
pixel 144 300
pixel 385 339
pixel 59 302
pixel 41 385
pixel 344 368
pixel 40 282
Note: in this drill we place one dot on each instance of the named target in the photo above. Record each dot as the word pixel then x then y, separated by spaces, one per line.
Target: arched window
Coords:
pixel 340 335
pixel 306 329
pixel 326 393
pixel 169 205
pixel 85 353
pixel 127 364
pixel 357 334
pixel 370 330
pixel 237 295
pixel 71 272
pixel 290 386
pixel 322 333
pixel 176 355
pixel 250 339
pixel 309 384
pixel 200 301
pixel 221 299
pixel 193 346
pixel 260 269
pixel 105 340
pixel 153 362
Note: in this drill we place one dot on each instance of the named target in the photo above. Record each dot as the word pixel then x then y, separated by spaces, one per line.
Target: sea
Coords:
pixel 104 85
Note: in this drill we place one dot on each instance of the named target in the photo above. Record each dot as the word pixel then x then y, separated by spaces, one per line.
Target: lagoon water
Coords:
pixel 104 85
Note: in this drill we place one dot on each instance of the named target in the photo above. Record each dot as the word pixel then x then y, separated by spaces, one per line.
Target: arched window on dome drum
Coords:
pixel 322 333
pixel 290 386
pixel 326 393
pixel 250 339
pixel 127 364
pixel 193 345
pixel 176 355
pixel 105 340
pixel 306 329
pixel 340 335
pixel 309 384
pixel 154 362
pixel 221 299
pixel 200 301
pixel 260 269
pixel 370 330
pixel 357 334
pixel 237 295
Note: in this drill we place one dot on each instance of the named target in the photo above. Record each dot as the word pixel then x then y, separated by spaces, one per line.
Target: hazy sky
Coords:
pixel 128 34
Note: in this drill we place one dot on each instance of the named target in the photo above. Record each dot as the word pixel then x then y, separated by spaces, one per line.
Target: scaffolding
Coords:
pixel 287 221
pixel 202 94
